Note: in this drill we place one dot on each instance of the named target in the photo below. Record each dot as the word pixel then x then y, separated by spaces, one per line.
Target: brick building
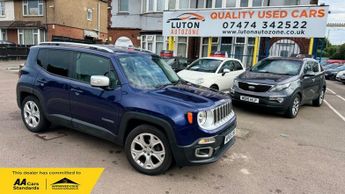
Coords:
pixel 28 22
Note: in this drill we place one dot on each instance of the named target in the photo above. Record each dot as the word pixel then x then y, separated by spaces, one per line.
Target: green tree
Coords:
pixel 340 53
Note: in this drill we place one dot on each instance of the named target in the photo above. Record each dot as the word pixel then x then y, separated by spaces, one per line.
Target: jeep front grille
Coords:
pixel 222 112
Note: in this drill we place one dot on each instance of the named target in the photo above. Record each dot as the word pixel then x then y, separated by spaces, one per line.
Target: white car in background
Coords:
pixel 341 76
pixel 213 72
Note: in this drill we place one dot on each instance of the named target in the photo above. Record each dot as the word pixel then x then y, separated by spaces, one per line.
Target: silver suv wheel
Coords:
pixel 31 114
pixel 295 106
pixel 148 151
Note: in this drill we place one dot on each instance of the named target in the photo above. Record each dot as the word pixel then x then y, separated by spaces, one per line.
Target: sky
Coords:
pixel 337 8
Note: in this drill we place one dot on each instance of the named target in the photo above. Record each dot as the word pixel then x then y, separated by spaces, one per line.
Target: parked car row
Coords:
pixel 334 71
pixel 279 84
pixel 135 99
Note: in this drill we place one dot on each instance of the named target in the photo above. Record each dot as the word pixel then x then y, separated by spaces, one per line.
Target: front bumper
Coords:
pixel 186 155
pixel 264 101
pixel 341 79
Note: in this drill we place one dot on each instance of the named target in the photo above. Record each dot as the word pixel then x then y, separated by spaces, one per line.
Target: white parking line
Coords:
pixel 336 94
pixel 331 91
pixel 334 110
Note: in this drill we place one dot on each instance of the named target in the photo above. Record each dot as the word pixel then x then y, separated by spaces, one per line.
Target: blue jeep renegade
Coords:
pixel 130 98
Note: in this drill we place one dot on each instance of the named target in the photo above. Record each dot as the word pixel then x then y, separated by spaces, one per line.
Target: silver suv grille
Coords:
pixel 221 112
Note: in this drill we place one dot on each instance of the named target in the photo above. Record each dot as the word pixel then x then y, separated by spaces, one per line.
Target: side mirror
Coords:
pixel 309 74
pixel 225 71
pixel 99 81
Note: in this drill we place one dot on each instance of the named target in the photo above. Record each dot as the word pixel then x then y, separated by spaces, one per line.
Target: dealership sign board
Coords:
pixel 297 21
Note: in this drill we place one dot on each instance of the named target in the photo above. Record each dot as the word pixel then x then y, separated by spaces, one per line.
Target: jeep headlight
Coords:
pixel 205 119
pixel 202 117
pixel 280 87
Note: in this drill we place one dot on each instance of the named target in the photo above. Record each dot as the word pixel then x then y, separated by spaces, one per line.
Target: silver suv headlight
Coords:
pixel 280 87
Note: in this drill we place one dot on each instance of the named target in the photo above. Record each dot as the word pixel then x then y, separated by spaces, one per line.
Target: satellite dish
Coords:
pixel 124 41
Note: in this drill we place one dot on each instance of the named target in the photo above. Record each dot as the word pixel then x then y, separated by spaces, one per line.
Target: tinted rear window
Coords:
pixel 55 61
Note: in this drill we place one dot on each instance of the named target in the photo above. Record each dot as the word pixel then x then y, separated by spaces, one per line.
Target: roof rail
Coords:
pixel 97 47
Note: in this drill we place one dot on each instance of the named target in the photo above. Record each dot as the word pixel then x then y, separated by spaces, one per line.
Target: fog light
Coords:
pixel 207 140
pixel 278 99
pixel 204 152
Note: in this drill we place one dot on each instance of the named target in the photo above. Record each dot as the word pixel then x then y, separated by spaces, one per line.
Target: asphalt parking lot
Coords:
pixel 272 155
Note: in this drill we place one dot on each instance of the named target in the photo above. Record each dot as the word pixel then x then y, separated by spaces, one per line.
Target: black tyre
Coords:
pixel 294 107
pixel 148 150
pixel 32 115
pixel 319 100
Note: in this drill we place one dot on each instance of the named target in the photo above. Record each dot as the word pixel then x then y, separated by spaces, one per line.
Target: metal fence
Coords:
pixel 13 52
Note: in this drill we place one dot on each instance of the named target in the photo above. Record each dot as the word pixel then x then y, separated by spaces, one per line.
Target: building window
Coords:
pixel 230 3
pixel 123 5
pixel 2 8
pixel 152 6
pixel 214 46
pixel 172 4
pixel 244 3
pixel 3 34
pixel 201 4
pixel 159 44
pixel 218 3
pixel 89 14
pixel 33 7
pixel 240 48
pixel 226 45
pixel 257 3
pixel 292 2
pixel 181 46
pixel 31 36
pixel 250 51
pixel 160 5
pixel 208 3
pixel 143 42
pixel 204 47
pixel 183 4
pixel 153 43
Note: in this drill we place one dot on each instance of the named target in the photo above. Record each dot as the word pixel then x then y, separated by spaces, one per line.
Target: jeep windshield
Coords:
pixel 147 72
pixel 205 65
pixel 278 66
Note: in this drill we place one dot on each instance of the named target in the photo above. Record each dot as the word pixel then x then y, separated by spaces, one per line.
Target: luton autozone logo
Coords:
pixel 186 24
pixel 65 184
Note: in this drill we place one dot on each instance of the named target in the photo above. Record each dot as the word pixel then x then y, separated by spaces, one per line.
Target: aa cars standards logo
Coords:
pixel 65 184
pixel 24 184
pixel 186 24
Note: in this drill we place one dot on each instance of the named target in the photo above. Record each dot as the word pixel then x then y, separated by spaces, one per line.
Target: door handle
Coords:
pixel 313 79
pixel 76 91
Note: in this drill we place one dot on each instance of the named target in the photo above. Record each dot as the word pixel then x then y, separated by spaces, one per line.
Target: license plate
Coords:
pixel 249 99
pixel 229 136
